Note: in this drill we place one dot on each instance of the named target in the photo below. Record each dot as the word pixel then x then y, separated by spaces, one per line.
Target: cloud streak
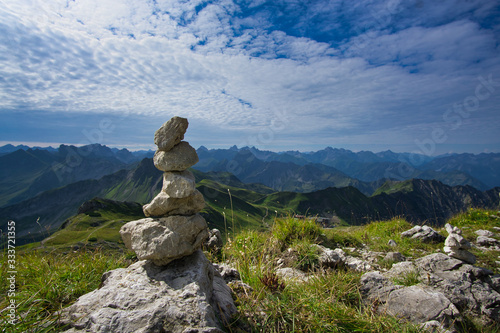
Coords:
pixel 338 70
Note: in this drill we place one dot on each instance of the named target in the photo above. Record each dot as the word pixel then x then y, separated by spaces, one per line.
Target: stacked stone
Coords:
pixel 174 228
pixel 456 246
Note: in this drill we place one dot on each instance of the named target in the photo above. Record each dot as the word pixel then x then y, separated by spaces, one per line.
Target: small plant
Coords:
pixel 272 282
pixel 290 229
pixel 307 253
pixel 410 278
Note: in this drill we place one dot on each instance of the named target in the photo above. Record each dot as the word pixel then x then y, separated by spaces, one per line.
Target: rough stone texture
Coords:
pixel 456 245
pixel 214 240
pixel 414 304
pixel 460 254
pixel 394 257
pixel 468 288
pixel 485 233
pixel 424 233
pixel 392 243
pixel 433 326
pixel 178 184
pixel 487 241
pixel 181 157
pixel 165 239
pixel 291 274
pixel 171 133
pixel 401 269
pixel 163 205
pixel 418 305
pixel 375 287
pixel 228 273
pixel 353 263
pixel 328 258
pixel 186 296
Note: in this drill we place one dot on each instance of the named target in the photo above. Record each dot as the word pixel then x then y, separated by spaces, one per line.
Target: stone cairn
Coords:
pixel 174 287
pixel 456 246
pixel 174 228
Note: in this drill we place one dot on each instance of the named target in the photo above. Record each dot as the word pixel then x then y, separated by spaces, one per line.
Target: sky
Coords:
pixel 417 76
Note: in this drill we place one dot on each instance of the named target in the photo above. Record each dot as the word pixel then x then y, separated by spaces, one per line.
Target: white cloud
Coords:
pixel 199 60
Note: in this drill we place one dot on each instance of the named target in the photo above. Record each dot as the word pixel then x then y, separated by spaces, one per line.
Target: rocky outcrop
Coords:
pixel 457 246
pixel 446 288
pixel 214 241
pixel 424 233
pixel 173 288
pixel 189 295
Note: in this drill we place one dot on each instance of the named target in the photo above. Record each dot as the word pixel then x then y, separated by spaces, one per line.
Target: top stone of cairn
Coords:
pixel 171 133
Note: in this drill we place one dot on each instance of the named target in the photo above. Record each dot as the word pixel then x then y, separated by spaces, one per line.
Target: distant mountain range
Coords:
pixel 41 188
pixel 25 173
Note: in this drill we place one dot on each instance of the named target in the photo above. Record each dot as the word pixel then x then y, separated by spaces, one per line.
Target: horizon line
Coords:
pixel 56 145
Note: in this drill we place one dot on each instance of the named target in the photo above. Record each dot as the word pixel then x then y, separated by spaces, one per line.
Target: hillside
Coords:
pixel 253 206
pixel 27 173
pixel 341 167
pixel 291 276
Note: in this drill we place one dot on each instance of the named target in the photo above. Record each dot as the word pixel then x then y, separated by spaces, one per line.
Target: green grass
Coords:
pixel 48 281
pixel 476 219
pixel 100 225
pixel 329 301
pixel 376 237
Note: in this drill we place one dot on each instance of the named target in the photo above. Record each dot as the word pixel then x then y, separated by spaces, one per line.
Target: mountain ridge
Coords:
pixel 426 201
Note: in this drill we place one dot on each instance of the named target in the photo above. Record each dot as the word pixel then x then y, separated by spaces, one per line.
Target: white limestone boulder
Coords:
pixel 178 184
pixel 188 295
pixel 165 239
pixel 181 157
pixel 171 133
pixel 164 205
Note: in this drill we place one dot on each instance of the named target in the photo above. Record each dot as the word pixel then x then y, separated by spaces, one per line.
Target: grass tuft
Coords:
pixel 47 282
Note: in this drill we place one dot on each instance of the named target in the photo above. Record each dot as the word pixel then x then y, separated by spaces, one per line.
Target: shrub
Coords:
pixel 290 229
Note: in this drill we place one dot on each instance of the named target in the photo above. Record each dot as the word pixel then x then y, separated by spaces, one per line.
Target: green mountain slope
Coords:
pixel 25 174
pixel 97 223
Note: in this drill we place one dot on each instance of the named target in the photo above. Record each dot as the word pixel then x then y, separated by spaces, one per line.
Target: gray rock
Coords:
pixel 171 133
pixel 424 233
pixel 401 269
pixel 328 258
pixel 456 245
pixel 460 254
pixel 214 241
pixel 444 281
pixel 353 263
pixel 181 157
pixel 291 274
pixel 487 241
pixel 394 257
pixel 434 326
pixel 165 239
pixel 485 233
pixel 228 273
pixel 458 241
pixel 392 243
pixel 418 305
pixel 376 287
pixel 357 264
pixel 470 288
pixel 186 296
pixel 163 205
pixel 452 230
pixel 178 184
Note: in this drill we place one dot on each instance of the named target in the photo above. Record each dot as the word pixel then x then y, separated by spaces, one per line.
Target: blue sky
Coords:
pixel 416 76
